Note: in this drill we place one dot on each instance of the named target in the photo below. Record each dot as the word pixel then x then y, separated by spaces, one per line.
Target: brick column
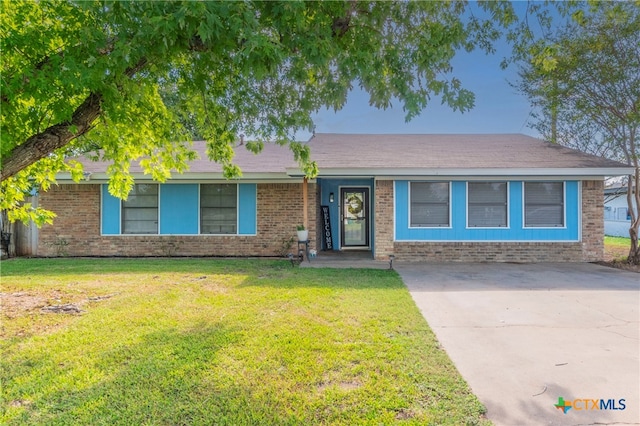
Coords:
pixel 383 206
pixel 592 220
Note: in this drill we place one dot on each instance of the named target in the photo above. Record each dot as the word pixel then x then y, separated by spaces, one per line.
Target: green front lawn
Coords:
pixel 192 341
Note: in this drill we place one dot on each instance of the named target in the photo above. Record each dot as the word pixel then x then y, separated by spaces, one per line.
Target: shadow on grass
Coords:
pixel 168 377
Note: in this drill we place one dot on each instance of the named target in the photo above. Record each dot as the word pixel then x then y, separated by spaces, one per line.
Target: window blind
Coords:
pixel 429 204
pixel 140 210
pixel 218 208
pixel 543 204
pixel 487 204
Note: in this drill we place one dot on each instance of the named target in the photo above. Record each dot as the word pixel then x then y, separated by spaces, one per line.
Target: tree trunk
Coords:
pixel 634 250
pixel 42 144
pixel 633 204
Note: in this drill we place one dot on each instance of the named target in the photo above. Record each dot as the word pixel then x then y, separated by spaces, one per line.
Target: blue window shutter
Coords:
pixel 179 209
pixel 110 213
pixel 515 204
pixel 572 208
pixel 458 211
pixel 247 209
pixel 401 208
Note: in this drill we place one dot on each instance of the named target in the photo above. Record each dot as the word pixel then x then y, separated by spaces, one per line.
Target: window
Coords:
pixel 218 208
pixel 487 204
pixel 140 210
pixel 429 204
pixel 543 204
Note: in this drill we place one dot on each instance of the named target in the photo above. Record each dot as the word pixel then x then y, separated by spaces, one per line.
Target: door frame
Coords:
pixel 367 207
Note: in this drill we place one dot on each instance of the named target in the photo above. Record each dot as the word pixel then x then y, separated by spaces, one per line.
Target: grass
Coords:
pixel 191 341
pixel 617 241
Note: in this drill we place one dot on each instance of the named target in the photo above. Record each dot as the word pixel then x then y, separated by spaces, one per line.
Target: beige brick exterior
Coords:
pixel 76 230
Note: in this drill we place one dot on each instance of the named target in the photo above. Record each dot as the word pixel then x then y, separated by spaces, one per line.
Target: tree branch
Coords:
pixel 44 143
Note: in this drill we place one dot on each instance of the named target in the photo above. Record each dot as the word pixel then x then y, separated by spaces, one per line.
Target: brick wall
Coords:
pixel 590 249
pixel 76 229
pixel 487 252
pixel 77 223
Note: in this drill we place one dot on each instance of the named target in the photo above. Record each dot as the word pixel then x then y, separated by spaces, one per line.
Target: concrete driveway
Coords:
pixel 524 336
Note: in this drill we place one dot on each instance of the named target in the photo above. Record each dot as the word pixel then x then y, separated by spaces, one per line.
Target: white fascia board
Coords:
pixel 190 178
pixel 485 178
pixel 484 172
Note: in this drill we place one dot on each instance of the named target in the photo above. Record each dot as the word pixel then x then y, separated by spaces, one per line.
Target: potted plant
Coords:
pixel 303 234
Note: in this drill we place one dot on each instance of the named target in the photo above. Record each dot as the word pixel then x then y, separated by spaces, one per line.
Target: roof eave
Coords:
pixel 185 177
pixel 400 172
pixel 296 174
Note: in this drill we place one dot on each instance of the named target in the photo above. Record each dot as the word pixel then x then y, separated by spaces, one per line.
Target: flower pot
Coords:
pixel 303 235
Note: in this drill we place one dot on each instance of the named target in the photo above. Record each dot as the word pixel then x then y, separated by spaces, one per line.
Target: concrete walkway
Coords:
pixel 345 259
pixel 525 335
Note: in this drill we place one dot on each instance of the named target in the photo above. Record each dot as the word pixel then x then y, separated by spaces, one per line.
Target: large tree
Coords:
pixel 584 81
pixel 98 76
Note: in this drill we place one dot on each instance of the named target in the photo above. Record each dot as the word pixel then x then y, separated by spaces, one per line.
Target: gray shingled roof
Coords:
pixel 447 151
pixel 273 159
pixel 407 154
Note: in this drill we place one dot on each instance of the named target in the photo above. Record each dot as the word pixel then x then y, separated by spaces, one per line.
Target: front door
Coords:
pixel 354 217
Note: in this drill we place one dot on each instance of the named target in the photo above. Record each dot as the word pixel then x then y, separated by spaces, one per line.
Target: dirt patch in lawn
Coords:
pixel 18 303
pixel 612 256
pixel 30 307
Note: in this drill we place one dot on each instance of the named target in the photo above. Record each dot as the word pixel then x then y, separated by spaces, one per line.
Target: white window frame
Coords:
pixel 564 206
pixel 449 215
pixel 237 224
pixel 507 205
pixel 157 207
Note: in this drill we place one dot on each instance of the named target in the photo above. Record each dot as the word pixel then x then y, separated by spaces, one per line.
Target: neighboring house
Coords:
pixel 418 197
pixel 617 219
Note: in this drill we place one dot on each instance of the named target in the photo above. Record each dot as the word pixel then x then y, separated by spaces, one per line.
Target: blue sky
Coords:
pixel 498 107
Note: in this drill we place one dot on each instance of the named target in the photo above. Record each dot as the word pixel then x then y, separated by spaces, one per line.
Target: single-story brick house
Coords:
pixel 505 197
